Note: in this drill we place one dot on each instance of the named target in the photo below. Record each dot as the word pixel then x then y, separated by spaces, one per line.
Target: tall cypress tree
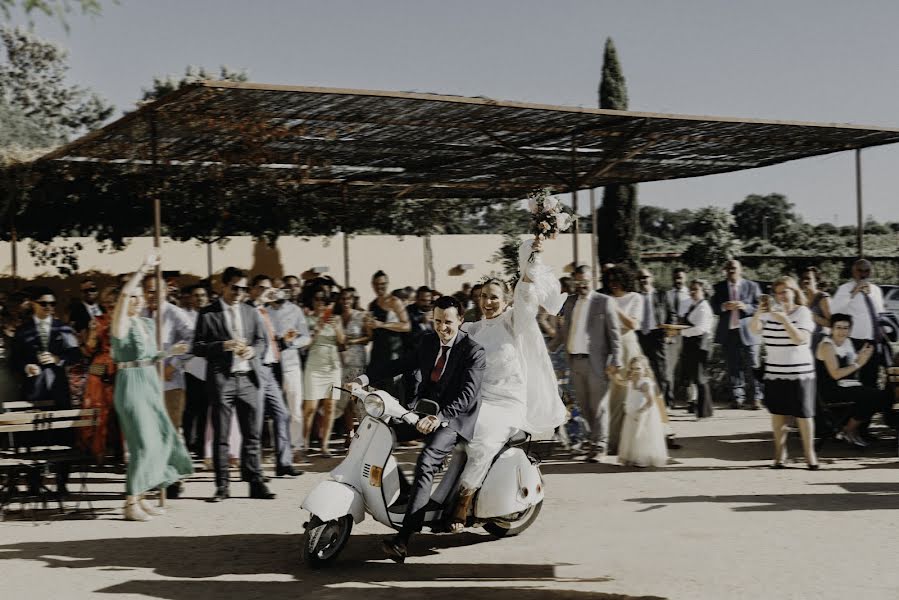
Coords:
pixel 617 216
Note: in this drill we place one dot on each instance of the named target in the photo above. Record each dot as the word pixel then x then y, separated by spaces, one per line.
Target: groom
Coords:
pixel 451 366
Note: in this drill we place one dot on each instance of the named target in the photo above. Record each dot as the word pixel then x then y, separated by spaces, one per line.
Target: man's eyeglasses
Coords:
pixel 47 303
pixel 91 290
pixel 240 288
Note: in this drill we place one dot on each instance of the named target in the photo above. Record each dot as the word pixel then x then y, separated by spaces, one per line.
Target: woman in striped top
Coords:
pixel 786 326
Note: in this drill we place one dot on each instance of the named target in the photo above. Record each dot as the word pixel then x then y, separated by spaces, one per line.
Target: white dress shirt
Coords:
pixel 578 336
pixel 701 317
pixel 857 308
pixel 235 326
pixel 682 295
pixel 177 327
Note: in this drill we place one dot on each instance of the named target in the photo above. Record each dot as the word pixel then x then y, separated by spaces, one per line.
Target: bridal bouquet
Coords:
pixel 549 216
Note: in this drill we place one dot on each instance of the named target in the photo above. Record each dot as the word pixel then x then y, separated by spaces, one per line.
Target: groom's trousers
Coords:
pixel 592 393
pixel 437 446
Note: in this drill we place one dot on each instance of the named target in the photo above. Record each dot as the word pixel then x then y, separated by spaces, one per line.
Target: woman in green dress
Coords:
pixel 157 456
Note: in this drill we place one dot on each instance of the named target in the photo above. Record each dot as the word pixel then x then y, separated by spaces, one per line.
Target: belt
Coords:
pixel 579 355
pixel 241 373
pixel 136 364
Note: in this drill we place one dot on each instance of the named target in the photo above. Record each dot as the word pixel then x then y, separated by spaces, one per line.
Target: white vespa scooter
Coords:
pixel 368 481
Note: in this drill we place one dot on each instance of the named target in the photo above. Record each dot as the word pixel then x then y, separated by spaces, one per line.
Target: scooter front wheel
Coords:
pixel 323 541
pixel 512 525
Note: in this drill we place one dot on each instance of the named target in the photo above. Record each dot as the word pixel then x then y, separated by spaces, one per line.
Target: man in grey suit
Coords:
pixel 592 338
pixel 231 337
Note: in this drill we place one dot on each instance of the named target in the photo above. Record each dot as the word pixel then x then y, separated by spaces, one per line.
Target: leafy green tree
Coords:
pixel 715 243
pixel 617 215
pixel 874 227
pixel 60 9
pixel 38 108
pixel 166 84
pixel 757 215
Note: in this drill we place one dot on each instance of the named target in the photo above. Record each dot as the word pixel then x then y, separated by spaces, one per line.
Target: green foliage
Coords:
pixel 60 9
pixel 617 216
pixel 507 257
pixel 612 86
pixel 163 85
pixel 716 242
pixel 756 212
pixel 39 109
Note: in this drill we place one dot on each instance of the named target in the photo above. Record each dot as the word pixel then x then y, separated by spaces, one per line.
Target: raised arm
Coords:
pixel 120 321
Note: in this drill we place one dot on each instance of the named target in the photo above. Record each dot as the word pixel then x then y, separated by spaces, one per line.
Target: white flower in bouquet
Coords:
pixel 550 204
pixel 563 221
pixel 532 204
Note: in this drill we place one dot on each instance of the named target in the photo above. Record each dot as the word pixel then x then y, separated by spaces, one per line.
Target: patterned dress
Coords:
pixel 157 456
pixel 99 394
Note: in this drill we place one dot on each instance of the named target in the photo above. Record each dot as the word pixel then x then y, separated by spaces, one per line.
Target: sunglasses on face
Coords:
pixel 92 290
pixel 239 288
pixel 47 303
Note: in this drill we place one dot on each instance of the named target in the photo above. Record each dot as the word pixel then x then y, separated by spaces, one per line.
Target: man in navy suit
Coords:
pixel 452 367
pixel 230 336
pixel 735 300
pixel 42 348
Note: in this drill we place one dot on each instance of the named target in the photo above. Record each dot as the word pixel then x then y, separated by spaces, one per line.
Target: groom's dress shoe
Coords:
pixel 287 471
pixel 260 491
pixel 395 551
pixel 221 493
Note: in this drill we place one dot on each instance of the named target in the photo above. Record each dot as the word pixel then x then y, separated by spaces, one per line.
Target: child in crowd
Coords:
pixel 642 434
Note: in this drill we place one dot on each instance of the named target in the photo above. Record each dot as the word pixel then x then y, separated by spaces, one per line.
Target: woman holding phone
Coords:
pixel 786 327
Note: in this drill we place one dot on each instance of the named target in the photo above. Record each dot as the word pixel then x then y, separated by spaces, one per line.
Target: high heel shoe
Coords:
pixel 133 512
pixel 813 467
pixel 153 511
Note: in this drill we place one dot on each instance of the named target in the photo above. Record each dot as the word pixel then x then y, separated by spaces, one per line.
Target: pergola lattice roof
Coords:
pixel 409 145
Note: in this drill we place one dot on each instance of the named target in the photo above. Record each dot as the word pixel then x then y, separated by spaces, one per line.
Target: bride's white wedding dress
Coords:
pixel 519 388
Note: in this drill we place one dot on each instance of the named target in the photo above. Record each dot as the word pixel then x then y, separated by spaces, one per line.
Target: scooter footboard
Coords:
pixel 330 500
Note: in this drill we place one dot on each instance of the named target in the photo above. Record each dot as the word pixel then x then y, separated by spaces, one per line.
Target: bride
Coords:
pixel 519 390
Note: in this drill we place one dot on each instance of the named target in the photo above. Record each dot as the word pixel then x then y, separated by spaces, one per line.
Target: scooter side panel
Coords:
pixel 330 500
pixel 375 490
pixel 512 485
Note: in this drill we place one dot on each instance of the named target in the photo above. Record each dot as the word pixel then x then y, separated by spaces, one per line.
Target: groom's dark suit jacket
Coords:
pixel 211 334
pixel 51 383
pixel 458 392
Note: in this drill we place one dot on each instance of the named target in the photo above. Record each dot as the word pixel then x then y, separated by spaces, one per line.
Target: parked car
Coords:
pixel 891 298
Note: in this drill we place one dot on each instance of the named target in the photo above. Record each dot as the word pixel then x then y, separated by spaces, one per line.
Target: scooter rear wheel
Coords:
pixel 323 541
pixel 515 524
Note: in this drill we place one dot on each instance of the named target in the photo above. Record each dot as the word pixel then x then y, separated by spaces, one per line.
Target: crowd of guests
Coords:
pixel 255 349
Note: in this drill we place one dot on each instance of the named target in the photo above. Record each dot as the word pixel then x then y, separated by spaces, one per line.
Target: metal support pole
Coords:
pixel 594 242
pixel 209 261
pixel 860 234
pixel 157 244
pixel 574 206
pixel 346 244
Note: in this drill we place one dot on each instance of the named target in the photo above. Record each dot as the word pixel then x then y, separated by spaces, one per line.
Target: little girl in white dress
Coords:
pixel 642 433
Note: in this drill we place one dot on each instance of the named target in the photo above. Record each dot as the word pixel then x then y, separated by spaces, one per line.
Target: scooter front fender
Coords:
pixel 331 500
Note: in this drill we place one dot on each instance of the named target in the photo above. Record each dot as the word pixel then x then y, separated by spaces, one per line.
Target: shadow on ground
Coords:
pixel 359 573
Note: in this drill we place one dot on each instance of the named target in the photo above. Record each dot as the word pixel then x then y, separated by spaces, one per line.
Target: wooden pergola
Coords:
pixel 342 144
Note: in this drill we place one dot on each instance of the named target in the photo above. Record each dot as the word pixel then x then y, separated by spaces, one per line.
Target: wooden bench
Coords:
pixel 23 458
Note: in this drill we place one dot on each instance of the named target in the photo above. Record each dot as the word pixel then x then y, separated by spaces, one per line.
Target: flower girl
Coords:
pixel 642 434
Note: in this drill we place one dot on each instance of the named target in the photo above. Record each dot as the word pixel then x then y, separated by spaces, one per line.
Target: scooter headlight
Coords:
pixel 374 405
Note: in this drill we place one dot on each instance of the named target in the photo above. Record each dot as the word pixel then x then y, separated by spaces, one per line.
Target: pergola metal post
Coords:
pixel 157 244
pixel 860 233
pixel 346 244
pixel 594 245
pixel 574 206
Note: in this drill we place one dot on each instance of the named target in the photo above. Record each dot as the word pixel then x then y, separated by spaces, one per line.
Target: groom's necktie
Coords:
pixel 437 371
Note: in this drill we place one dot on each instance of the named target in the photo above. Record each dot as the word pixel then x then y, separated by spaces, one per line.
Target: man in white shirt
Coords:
pixel 261 296
pixel 863 301
pixel 590 332
pixel 177 327
pixel 678 302
pixel 292 332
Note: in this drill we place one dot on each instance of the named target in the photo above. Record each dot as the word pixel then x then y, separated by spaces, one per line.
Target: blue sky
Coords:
pixel 814 60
